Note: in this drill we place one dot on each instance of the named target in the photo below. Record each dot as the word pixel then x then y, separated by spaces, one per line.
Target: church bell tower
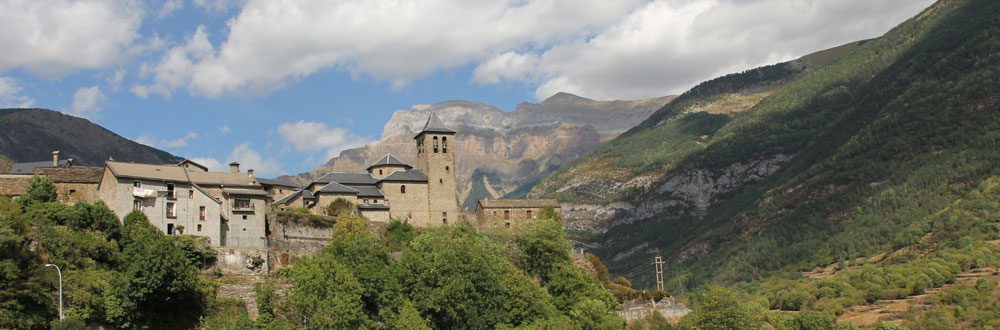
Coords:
pixel 436 160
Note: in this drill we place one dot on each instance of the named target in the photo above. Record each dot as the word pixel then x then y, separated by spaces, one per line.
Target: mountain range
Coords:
pixel 29 135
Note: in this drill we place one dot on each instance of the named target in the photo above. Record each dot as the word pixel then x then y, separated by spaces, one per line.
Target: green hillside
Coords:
pixel 893 145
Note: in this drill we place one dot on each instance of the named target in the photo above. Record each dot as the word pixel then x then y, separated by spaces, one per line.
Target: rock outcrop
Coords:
pixel 497 151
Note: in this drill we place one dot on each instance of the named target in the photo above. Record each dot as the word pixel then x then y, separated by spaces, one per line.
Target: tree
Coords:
pixel 602 271
pixel 543 247
pixel 398 234
pixel 367 258
pixel 41 189
pixel 326 295
pixel 577 295
pixel 549 213
pixel 721 308
pixel 458 279
pixel 157 286
pixel 25 302
pixel 97 217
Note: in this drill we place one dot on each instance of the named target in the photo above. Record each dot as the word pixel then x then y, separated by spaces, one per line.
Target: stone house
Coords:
pixel 424 196
pixel 226 207
pixel 73 183
pixel 504 213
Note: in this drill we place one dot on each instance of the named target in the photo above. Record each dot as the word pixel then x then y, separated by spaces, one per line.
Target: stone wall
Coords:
pixel 295 238
pixel 244 292
pixel 238 260
pixel 669 308
pixel 13 184
pixel 411 206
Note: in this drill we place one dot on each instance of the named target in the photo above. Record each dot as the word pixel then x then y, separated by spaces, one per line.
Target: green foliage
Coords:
pixel 25 302
pixel 153 270
pixel 621 280
pixel 602 271
pixel 368 260
pixel 457 279
pixel 96 217
pixel 326 295
pixel 543 247
pixel 408 318
pixel 398 234
pixel 305 218
pixel 199 252
pixel 40 189
pixel 549 213
pixel 69 323
pixel 721 308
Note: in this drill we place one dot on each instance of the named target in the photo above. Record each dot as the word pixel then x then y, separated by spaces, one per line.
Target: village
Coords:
pixel 231 209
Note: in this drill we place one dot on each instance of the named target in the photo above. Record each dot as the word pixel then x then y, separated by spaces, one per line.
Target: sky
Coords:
pixel 281 86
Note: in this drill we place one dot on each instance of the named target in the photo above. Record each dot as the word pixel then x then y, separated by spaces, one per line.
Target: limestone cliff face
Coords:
pixel 498 151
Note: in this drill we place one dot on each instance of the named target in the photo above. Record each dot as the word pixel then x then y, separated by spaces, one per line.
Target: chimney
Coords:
pixel 250 172
pixel 55 158
pixel 234 167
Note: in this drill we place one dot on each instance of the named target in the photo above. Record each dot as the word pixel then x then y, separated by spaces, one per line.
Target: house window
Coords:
pixel 440 180
pixel 435 144
pixel 170 229
pixel 201 214
pixel 402 189
pixel 191 194
pixel 444 145
pixel 72 192
pixel 446 168
pixel 244 218
pixel 242 204
pixel 137 184
pixel 170 190
pixel 171 210
pixel 529 214
pixel 506 214
pixel 199 228
pixel 137 205
pixel 507 225
pixel 379 172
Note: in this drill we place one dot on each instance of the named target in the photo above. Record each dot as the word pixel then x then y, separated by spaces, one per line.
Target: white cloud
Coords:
pixel 114 80
pixel 273 43
pixel 311 137
pixel 150 140
pixel 169 8
pixel 213 164
pixel 224 129
pixel 52 38
pixel 666 47
pixel 251 160
pixel 87 102
pixel 10 94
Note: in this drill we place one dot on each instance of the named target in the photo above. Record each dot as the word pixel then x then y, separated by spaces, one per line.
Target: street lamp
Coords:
pixel 60 288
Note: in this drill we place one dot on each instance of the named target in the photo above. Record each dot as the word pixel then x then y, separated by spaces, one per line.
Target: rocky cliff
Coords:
pixel 498 151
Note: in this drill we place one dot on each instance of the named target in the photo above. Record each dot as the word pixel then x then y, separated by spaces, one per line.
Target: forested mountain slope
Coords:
pixel 30 135
pixel 892 145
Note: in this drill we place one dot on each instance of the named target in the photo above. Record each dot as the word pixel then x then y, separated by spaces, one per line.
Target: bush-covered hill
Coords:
pixel 895 142
pixel 30 135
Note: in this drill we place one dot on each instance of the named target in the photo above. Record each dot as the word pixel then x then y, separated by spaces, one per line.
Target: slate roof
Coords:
pixel 347 178
pixel 389 160
pixel 273 182
pixel 518 203
pixel 434 125
pixel 337 188
pixel 412 175
pixel 75 174
pixel 368 191
pixel 28 168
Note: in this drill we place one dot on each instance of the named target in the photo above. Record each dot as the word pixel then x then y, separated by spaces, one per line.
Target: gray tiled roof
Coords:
pixel 334 187
pixel 389 160
pixel 412 175
pixel 28 168
pixel 347 178
pixel 288 198
pixel 307 194
pixel 435 125
pixel 368 191
pixel 373 206
pixel 273 182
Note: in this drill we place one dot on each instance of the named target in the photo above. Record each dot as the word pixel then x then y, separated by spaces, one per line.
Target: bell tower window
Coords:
pixel 444 145
pixel 435 144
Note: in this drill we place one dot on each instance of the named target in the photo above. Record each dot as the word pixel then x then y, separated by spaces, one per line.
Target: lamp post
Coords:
pixel 60 288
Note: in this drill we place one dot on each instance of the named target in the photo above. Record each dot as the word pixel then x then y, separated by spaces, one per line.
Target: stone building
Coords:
pixel 73 183
pixel 424 196
pixel 504 213
pixel 226 207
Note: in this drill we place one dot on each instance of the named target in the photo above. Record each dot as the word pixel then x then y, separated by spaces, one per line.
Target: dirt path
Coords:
pixel 892 310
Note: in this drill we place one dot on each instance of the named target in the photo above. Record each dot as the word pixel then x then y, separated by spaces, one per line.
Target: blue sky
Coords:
pixel 282 85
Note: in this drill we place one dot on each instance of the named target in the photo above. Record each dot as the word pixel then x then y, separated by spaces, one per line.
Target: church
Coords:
pixel 424 196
